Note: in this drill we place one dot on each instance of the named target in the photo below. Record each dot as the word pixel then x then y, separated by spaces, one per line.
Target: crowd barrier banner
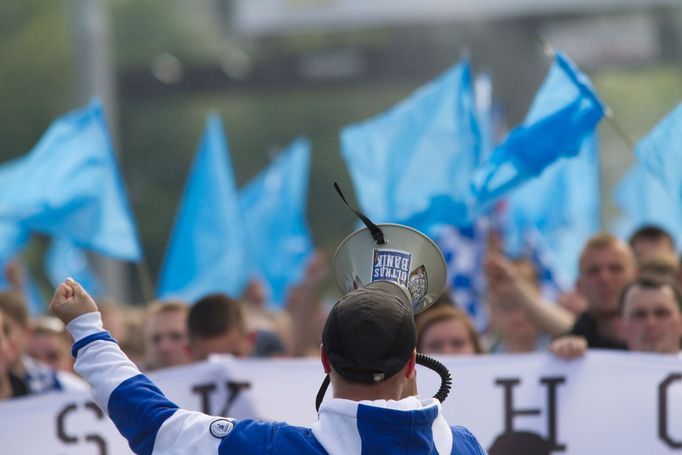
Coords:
pixel 624 403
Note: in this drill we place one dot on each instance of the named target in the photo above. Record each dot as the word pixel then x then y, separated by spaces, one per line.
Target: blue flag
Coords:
pixel 464 250
pixel 63 260
pixel 661 153
pixel 564 112
pixel 561 206
pixel 69 186
pixel 643 199
pixel 412 164
pixel 13 238
pixel 12 241
pixel 208 249
pixel 274 208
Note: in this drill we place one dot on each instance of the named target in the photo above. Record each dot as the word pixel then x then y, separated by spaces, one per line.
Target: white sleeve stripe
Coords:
pixel 189 430
pixel 84 325
pixel 104 366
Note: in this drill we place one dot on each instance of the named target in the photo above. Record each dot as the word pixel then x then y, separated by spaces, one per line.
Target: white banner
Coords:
pixel 606 403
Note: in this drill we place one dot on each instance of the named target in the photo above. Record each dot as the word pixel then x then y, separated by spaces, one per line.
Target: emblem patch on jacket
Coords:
pixel 221 428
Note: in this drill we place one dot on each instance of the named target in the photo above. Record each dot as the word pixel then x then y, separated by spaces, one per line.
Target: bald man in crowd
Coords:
pixel 607 265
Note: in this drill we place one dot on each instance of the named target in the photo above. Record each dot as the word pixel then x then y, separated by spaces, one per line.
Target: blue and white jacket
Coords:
pixel 152 424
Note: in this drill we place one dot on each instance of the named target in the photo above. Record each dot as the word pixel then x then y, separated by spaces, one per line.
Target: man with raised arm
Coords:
pixel 368 350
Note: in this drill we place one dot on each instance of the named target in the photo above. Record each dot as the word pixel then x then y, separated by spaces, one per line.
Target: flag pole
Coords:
pixel 619 130
pixel 546 46
pixel 145 280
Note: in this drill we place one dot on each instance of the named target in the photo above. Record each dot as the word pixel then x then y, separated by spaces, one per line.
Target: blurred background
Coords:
pixel 277 69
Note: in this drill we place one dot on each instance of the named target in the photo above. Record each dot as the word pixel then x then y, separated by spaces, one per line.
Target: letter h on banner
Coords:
pixel 510 412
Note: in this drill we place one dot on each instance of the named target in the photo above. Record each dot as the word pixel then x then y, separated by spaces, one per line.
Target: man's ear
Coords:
pixel 325 360
pixel 411 365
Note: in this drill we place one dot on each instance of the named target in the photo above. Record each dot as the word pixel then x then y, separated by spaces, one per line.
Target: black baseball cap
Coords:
pixel 370 333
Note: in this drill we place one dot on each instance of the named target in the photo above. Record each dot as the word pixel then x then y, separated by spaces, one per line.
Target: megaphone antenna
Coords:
pixel 377 233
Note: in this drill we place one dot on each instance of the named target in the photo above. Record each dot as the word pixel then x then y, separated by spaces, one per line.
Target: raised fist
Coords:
pixel 70 301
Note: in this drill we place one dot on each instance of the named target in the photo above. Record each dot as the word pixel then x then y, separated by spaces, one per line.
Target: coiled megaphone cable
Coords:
pixel 443 372
pixel 424 360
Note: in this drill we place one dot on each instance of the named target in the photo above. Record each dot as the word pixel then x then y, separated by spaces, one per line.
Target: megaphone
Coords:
pixel 399 255
pixel 406 258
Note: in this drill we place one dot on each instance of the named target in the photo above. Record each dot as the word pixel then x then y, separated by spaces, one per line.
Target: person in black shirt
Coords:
pixel 606 265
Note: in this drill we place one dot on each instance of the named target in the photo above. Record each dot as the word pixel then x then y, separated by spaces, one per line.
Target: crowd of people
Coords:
pixel 626 297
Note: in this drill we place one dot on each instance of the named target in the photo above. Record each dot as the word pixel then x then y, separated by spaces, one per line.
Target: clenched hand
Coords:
pixel 70 301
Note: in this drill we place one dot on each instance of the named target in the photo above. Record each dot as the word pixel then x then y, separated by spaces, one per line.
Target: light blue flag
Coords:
pixel 274 208
pixel 63 260
pixel 13 238
pixel 69 186
pixel 463 246
pixel 564 112
pixel 661 152
pixel 208 250
pixel 561 207
pixel 643 200
pixel 412 164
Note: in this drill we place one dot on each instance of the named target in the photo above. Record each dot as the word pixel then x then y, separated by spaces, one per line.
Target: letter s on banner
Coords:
pixel 63 427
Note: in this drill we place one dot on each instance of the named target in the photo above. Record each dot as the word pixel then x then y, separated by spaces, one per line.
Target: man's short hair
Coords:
pixel 651 281
pixel 215 315
pixel 651 232
pixel 602 241
pixel 13 304
pixel 370 334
